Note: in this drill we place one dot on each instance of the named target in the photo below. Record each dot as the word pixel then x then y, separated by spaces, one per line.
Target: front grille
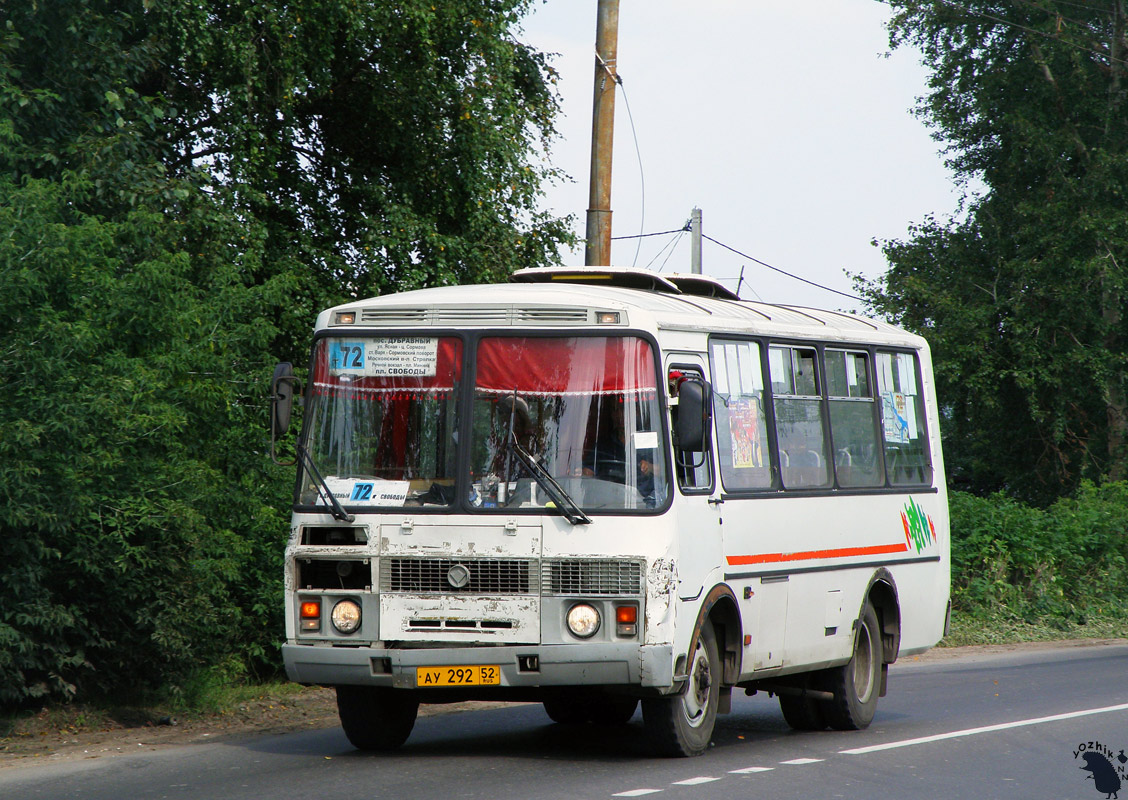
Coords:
pixel 482 575
pixel 591 577
pixel 551 316
pixel 394 316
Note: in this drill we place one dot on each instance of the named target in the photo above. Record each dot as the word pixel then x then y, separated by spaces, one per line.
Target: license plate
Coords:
pixel 475 675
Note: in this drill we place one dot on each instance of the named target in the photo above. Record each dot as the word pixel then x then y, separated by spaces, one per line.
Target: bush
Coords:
pixel 1059 566
pixel 141 523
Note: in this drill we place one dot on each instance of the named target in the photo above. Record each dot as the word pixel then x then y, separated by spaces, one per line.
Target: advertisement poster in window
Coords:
pixel 896 413
pixel 748 434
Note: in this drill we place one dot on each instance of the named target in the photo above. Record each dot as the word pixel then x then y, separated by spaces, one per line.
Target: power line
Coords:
pixel 683 229
pixel 781 271
pixel 645 235
pixel 615 76
pixel 641 173
pixel 669 249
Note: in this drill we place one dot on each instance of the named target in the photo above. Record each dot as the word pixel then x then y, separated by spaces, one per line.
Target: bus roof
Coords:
pixel 573 297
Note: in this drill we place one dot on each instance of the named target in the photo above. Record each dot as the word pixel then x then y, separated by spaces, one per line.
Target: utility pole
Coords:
pixel 695 249
pixel 597 251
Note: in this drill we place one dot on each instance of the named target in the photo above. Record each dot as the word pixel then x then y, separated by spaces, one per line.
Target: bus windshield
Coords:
pixel 383 419
pixel 384 415
pixel 586 408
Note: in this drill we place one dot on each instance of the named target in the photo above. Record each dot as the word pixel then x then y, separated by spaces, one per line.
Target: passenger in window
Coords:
pixel 804 465
pixel 803 456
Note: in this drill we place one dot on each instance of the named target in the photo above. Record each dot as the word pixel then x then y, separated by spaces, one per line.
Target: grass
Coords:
pixel 1003 627
pixel 206 699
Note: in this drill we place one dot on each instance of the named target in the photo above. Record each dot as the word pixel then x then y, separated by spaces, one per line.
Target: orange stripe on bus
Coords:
pixel 808 555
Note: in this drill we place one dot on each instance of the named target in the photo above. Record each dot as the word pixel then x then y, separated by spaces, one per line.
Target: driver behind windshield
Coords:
pixel 607 459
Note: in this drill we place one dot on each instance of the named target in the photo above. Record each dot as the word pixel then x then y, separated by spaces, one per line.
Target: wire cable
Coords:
pixel 615 76
pixel 645 235
pixel 781 271
pixel 673 244
pixel 670 246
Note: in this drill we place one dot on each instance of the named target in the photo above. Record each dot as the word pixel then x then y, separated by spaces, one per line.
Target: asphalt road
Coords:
pixel 1014 725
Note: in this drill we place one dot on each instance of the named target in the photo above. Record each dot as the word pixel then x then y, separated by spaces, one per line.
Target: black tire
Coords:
pixel 857 685
pixel 577 708
pixel 802 712
pixel 375 718
pixel 609 711
pixel 569 708
pixel 682 725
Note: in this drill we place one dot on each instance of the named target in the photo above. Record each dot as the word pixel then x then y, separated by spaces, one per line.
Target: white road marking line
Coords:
pixel 750 770
pixel 695 781
pixel 802 761
pixel 857 751
pixel 637 793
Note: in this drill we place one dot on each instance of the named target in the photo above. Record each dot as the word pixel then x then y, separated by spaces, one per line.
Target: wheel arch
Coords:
pixel 882 594
pixel 720 610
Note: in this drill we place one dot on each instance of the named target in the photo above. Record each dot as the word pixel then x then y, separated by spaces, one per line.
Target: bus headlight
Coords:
pixel 583 620
pixel 346 616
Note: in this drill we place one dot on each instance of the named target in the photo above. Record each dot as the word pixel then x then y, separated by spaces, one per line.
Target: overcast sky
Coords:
pixel 787 123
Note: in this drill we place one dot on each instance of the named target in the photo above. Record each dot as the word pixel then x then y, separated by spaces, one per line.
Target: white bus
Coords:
pixel 592 488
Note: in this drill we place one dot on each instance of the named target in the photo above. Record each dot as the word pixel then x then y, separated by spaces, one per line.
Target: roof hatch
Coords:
pixel 627 278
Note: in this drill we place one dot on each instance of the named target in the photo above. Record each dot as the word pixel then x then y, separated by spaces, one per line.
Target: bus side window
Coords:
pixel 799 417
pixel 857 461
pixel 742 434
pixel 907 459
pixel 694 468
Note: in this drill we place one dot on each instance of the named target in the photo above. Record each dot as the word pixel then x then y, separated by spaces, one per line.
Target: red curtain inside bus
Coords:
pixel 565 366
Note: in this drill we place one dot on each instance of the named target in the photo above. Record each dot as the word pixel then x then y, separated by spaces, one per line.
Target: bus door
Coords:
pixel 698 514
pixel 755 525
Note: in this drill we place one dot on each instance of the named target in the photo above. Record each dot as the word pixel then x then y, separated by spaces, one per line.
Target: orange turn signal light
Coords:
pixel 311 610
pixel 626 615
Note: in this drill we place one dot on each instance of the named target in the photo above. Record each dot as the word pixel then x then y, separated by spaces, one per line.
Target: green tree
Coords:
pixel 181 188
pixel 383 146
pixel 1022 295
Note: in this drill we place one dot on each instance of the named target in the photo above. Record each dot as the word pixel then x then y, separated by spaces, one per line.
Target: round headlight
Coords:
pixel 583 620
pixel 346 616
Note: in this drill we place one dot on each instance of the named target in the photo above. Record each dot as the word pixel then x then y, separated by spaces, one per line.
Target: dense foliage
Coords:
pixel 1063 567
pixel 1023 295
pixel 182 186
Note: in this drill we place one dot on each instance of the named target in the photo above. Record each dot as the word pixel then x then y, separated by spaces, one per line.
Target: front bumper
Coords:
pixel 612 664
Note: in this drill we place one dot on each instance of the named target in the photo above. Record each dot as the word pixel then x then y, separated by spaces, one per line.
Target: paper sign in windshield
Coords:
pixel 399 357
pixel 366 492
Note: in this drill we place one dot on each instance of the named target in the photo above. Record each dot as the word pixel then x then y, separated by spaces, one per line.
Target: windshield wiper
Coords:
pixel 567 506
pixel 323 489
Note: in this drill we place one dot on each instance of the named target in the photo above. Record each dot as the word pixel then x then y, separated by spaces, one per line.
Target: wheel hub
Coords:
pixel 696 698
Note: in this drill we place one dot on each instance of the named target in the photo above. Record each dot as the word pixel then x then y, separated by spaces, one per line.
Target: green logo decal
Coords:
pixel 919 530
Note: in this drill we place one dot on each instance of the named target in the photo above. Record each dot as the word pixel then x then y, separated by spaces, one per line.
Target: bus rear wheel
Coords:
pixel 857 685
pixel 682 724
pixel 375 718
pixel 803 712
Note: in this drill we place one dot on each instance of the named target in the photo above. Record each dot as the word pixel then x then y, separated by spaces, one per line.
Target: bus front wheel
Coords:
pixel 682 724
pixel 375 718
pixel 857 685
pixel 577 708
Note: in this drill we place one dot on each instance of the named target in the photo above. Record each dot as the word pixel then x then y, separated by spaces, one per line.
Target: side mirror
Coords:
pixel 281 400
pixel 695 412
